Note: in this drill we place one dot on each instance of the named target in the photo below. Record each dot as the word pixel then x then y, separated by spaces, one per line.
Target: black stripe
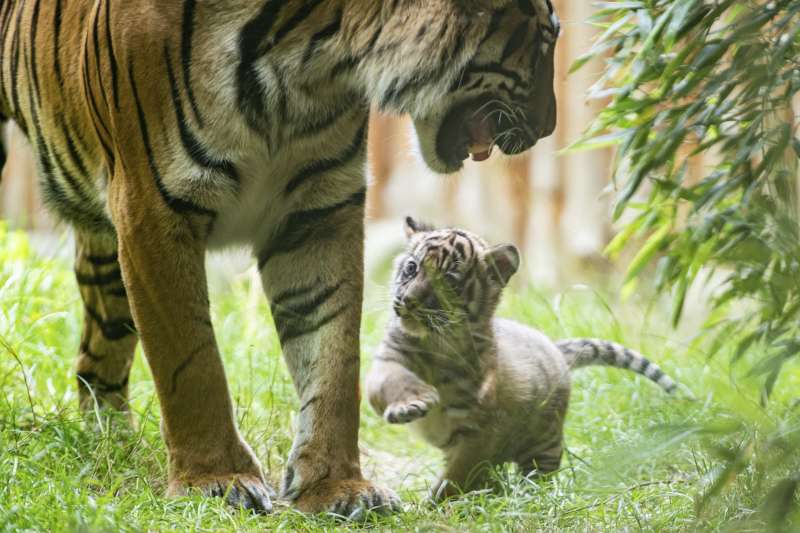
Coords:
pixel 92 380
pixel 422 30
pixel 320 123
pixel 303 309
pixel 250 94
pixel 657 375
pixel 34 32
pixel 118 292
pixel 390 94
pixel 612 349
pixel 526 7
pixel 325 33
pixel 191 144
pixel 5 14
pixel 494 25
pixel 15 78
pixel 292 293
pixel 94 109
pixel 630 358
pixel 73 183
pixel 97 63
pixel 416 83
pixel 308 403
pixel 99 279
pixel 57 44
pixel 112 329
pixel 301 225
pixel 185 364
pixel 100 260
pixel 299 327
pixel 516 40
pixel 72 150
pixel 56 198
pixel 112 58
pixel 177 204
pixel 295 20
pixel 85 351
pixel 343 66
pixel 326 165
pixel 493 68
pixel 595 350
pixel 187 26
pixel 455 49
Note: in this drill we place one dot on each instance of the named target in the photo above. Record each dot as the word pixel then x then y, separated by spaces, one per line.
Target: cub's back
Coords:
pixel 530 368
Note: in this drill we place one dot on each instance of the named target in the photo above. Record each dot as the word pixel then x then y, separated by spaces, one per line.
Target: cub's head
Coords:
pixel 473 74
pixel 447 277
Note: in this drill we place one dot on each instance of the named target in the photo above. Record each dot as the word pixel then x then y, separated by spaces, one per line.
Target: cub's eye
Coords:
pixel 410 269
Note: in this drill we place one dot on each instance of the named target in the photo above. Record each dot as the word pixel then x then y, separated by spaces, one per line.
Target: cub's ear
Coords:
pixel 503 262
pixel 412 227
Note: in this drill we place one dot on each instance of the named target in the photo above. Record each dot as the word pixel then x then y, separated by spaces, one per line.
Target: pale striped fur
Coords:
pixel 586 352
pixel 484 390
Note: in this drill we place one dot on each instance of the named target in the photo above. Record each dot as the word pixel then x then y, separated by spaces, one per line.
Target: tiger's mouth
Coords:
pixel 472 129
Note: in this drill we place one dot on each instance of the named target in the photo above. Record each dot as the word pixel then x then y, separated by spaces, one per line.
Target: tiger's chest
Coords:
pixel 303 151
pixel 302 175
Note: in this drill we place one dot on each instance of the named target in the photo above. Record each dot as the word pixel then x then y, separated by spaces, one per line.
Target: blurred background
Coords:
pixel 554 206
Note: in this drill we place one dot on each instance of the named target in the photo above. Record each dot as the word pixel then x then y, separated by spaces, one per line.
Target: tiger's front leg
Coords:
pixel 312 272
pixel 162 252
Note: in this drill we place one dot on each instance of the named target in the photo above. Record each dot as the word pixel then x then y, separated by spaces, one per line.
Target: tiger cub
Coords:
pixel 484 390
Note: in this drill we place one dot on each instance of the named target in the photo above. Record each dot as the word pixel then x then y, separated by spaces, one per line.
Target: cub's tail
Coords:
pixel 586 352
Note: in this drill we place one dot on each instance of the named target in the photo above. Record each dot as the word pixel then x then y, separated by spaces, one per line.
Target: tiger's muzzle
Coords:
pixel 475 127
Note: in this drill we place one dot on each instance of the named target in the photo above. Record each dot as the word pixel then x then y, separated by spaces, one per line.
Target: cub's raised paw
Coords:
pixel 410 410
pixel 351 499
pixel 242 491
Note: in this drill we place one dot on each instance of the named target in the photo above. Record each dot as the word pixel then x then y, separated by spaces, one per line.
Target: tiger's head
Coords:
pixel 473 74
pixel 448 277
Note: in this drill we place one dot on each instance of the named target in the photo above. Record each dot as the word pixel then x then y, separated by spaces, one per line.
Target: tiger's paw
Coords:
pixel 239 490
pixel 409 410
pixel 349 498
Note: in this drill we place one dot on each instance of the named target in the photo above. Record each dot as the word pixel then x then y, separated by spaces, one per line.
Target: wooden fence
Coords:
pixel 555 207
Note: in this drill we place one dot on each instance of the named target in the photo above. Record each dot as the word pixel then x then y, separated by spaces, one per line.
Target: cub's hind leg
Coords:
pixel 108 340
pixel 544 458
pixel 468 464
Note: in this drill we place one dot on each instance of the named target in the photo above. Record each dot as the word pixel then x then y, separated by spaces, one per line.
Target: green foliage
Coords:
pixel 717 78
pixel 689 77
pixel 636 460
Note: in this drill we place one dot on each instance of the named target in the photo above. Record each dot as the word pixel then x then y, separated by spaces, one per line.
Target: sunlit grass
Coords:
pixel 637 459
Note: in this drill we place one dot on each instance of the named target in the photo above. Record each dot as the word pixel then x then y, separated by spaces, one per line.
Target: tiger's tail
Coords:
pixel 586 352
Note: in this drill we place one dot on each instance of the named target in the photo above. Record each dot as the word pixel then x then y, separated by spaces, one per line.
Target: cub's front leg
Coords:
pixel 312 271
pixel 396 393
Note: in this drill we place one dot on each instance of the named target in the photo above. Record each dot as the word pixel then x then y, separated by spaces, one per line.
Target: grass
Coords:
pixel 637 459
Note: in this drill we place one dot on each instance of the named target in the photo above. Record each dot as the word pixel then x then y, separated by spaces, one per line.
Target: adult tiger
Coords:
pixel 164 128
